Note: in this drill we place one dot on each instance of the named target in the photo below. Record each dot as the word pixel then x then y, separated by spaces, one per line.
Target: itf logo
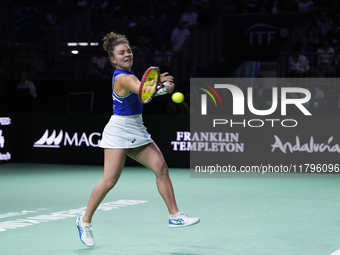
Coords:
pixel 49 142
pixel 2 140
pixel 262 33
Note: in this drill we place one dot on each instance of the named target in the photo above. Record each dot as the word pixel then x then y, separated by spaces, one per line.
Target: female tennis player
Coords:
pixel 125 135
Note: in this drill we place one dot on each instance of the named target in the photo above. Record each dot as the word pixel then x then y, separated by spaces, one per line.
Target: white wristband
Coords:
pixel 166 85
pixel 161 92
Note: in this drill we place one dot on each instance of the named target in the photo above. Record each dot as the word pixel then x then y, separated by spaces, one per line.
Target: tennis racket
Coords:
pixel 150 84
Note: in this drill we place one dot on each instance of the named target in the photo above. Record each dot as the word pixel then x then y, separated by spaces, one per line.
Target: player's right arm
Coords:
pixel 124 84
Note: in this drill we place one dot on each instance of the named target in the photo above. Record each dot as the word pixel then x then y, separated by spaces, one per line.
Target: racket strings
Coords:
pixel 149 86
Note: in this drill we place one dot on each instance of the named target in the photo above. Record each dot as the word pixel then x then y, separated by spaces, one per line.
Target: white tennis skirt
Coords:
pixel 123 132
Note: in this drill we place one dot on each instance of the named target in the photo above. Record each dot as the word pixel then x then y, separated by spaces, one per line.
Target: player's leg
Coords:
pixel 150 156
pixel 114 160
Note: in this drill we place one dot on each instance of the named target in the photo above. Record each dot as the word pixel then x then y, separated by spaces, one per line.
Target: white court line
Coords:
pixel 23 212
pixel 336 252
pixel 13 214
pixel 19 223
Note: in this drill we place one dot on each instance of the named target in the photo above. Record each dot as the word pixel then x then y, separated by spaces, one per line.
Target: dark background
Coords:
pixel 35 37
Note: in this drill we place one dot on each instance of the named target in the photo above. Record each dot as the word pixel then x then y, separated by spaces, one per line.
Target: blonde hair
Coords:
pixel 111 41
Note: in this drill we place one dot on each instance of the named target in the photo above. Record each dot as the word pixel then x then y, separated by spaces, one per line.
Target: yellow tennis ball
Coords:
pixel 177 97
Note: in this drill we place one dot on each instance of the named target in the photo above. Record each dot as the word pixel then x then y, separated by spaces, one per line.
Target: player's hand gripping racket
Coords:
pixel 150 84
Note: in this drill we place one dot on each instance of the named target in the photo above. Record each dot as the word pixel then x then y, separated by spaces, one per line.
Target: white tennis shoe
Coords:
pixel 181 220
pixel 85 232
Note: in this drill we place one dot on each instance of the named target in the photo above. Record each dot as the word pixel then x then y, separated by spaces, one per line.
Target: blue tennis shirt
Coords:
pixel 128 105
